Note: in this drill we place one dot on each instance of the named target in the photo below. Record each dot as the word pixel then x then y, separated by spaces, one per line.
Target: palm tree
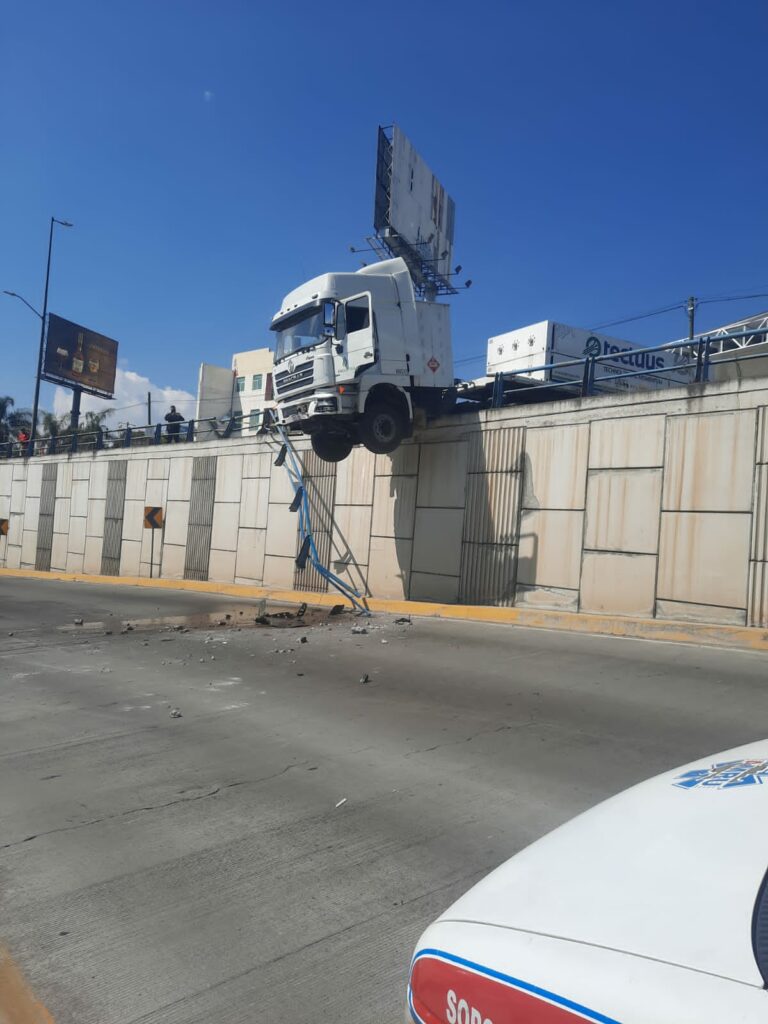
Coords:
pixel 6 404
pixel 51 424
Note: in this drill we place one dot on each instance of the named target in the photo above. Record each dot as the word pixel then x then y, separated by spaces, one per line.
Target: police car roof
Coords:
pixel 670 870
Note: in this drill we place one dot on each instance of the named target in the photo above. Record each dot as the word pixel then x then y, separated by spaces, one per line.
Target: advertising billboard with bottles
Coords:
pixel 78 357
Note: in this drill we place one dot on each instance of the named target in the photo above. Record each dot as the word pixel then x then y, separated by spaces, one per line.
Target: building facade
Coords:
pixel 243 392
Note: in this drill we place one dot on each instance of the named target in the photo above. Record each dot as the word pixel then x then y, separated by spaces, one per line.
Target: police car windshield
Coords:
pixel 303 332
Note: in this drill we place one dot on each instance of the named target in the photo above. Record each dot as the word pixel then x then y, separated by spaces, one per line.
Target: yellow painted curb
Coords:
pixel 671 631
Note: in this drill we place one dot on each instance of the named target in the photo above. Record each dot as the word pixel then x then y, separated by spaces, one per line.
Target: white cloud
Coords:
pixel 130 401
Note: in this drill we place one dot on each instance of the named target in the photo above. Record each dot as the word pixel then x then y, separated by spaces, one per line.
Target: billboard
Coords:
pixel 413 205
pixel 78 357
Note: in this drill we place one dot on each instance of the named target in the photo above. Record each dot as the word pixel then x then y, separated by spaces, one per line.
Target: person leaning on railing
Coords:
pixel 173 419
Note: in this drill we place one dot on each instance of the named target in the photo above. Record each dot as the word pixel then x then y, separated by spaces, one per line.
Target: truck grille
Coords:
pixel 302 376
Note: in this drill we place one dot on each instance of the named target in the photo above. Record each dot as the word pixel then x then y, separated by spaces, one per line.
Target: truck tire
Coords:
pixel 331 447
pixel 383 427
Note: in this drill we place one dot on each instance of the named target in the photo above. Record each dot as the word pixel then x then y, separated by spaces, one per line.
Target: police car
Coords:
pixel 651 908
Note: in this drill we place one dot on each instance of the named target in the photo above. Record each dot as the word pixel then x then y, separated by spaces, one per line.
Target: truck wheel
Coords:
pixel 331 447
pixel 382 427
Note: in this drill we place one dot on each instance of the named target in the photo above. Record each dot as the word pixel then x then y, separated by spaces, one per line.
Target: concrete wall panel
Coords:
pixel 280 487
pixel 282 532
pixel 92 557
pixel 760 515
pixel 402 462
pixel 704 558
pixel 442 475
pixel 618 584
pixel 498 450
pixel 95 520
pixel 98 482
pixel 74 562
pixel 31 513
pixel 130 557
pixel 623 510
pixel 352 532
pixel 389 567
pixel 229 475
pixel 549 552
pixel 81 469
pixel 226 518
pixel 685 612
pixel 254 500
pixel 133 520
pixel 278 571
pixel 76 543
pixel 251 548
pixel 173 561
pixel 491 515
pixel 427 587
pixel 394 506
pixel 762 434
pixel 136 479
pixel 6 479
pixel 79 500
pixel 156 493
pixel 59 552
pixel 437 541
pixel 221 567
pixel 64 480
pixel 34 480
pixel 710 463
pixel 176 522
pixel 61 512
pixel 354 478
pixel 158 469
pixel 556 598
pixel 258 465
pixel 29 548
pixel 555 467
pixel 635 442
pixel 180 478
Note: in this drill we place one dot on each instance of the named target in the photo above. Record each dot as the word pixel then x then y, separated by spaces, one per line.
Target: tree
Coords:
pixel 50 424
pixel 6 405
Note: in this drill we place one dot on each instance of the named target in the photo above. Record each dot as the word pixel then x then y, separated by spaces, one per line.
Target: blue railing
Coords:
pixel 696 356
pixel 146 435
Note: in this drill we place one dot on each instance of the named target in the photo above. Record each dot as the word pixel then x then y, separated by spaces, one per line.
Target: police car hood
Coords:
pixel 669 870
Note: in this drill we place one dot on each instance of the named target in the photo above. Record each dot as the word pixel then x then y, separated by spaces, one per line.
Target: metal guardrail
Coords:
pixel 697 355
pixel 146 435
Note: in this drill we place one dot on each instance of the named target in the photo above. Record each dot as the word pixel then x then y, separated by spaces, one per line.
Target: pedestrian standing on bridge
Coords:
pixel 173 419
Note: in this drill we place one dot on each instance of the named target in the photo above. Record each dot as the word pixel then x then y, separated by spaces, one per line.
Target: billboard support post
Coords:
pixel 36 403
pixel 74 416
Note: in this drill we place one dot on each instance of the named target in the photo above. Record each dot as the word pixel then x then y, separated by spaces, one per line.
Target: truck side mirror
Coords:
pixel 329 314
pixel 341 323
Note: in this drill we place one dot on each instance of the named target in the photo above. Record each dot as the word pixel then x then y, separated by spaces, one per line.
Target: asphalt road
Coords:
pixel 273 854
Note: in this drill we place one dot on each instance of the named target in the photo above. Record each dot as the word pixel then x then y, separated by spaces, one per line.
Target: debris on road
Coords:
pixel 341 802
pixel 304 640
pixel 359 630
pixel 78 622
pixel 337 609
pixel 365 678
pixel 302 610
pixel 175 713
pixel 405 620
pixel 385 641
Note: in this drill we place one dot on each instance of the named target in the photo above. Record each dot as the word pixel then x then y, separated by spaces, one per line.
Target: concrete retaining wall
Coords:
pixel 643 505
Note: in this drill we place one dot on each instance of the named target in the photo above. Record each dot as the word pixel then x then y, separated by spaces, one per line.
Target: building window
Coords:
pixel 255 419
pixel 240 384
pixel 258 382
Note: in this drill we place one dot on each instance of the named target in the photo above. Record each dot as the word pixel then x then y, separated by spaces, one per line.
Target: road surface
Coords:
pixel 273 854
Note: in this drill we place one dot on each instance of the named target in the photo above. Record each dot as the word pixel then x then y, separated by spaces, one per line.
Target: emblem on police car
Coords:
pixel 725 775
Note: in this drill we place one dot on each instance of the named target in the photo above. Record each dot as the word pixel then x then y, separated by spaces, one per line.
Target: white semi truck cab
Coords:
pixel 356 355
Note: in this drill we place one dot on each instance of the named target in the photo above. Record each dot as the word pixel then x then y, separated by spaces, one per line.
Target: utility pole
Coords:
pixel 149 408
pixel 36 404
pixel 691 312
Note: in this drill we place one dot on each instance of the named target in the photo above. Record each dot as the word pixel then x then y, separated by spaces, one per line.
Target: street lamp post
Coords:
pixel 36 403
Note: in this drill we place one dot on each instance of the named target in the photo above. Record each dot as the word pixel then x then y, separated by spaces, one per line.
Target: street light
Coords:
pixel 64 224
pixel 15 295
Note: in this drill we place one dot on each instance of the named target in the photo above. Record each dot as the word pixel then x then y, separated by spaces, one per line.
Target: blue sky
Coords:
pixel 605 158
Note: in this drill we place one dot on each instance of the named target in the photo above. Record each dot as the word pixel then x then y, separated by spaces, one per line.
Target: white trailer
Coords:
pixel 535 352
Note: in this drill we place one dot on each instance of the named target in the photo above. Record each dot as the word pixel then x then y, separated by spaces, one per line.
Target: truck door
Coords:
pixel 354 330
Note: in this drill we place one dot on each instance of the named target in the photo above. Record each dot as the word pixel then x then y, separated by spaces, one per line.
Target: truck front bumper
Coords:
pixel 326 405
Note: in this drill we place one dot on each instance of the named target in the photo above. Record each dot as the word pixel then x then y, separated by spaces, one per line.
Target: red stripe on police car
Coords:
pixel 455 991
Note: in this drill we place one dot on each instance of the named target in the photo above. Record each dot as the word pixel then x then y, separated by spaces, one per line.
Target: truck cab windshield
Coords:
pixel 304 332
